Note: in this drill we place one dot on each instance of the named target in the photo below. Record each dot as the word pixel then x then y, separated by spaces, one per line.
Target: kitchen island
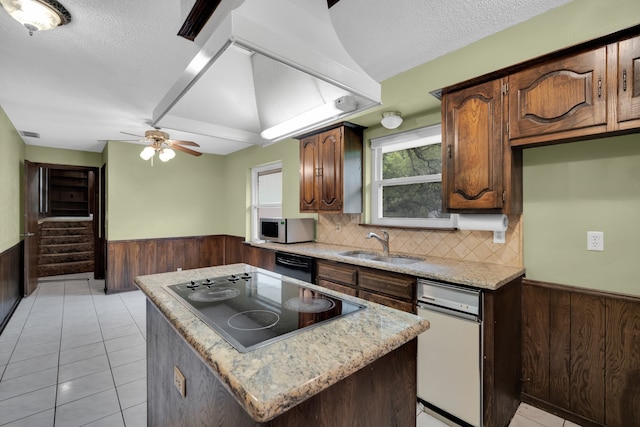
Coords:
pixel 356 370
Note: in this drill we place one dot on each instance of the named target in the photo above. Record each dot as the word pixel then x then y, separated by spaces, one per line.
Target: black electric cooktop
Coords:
pixel 251 310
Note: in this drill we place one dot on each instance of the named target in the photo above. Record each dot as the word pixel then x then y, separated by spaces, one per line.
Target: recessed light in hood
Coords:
pixel 267 70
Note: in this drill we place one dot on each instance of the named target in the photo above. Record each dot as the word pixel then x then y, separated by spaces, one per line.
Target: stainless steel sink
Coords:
pixel 391 259
pixel 360 254
pixel 397 259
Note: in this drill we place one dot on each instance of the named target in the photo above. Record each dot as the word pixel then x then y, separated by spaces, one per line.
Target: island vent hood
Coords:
pixel 266 70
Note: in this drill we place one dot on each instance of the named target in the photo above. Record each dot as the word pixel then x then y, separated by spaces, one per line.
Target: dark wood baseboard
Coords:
pixel 11 281
pixel 581 353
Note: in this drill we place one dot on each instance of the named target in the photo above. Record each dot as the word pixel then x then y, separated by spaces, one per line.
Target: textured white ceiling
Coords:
pixel 81 84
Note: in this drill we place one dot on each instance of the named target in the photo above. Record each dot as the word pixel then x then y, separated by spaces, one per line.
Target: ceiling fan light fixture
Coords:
pixel 37 15
pixel 391 119
pixel 147 153
pixel 166 154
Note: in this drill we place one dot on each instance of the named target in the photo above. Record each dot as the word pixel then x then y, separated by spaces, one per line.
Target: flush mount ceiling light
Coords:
pixel 37 15
pixel 391 119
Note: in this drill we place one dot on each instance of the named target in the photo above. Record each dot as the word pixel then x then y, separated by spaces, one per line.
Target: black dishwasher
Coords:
pixel 297 266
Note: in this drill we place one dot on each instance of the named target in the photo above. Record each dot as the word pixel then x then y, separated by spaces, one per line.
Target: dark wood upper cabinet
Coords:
pixel 481 173
pixel 629 83
pixel 331 170
pixel 559 99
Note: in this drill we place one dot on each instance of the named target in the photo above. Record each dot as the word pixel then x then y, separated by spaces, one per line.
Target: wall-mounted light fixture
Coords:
pixel 37 15
pixel 391 119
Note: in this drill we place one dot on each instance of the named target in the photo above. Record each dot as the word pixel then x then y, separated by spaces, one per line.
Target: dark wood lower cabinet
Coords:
pixel 381 394
pixel 11 278
pixel 581 354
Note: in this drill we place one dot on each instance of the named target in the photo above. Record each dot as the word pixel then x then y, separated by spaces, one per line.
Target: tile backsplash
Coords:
pixel 344 229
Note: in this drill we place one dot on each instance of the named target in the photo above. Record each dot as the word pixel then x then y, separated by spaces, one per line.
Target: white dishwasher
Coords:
pixel 450 352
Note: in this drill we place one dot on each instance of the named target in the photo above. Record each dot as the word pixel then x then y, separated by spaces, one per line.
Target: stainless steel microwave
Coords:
pixel 287 230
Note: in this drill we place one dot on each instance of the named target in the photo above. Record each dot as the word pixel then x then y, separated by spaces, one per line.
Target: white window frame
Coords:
pixel 255 206
pixel 399 141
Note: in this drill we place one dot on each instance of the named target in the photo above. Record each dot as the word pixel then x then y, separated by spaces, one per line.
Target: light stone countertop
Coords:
pixel 477 274
pixel 272 379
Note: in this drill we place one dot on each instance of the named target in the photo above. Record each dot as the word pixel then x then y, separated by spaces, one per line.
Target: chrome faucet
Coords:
pixel 384 240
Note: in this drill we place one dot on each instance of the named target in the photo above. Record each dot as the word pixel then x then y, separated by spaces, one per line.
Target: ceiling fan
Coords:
pixel 160 143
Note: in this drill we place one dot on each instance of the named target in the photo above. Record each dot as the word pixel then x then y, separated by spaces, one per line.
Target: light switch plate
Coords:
pixel 179 381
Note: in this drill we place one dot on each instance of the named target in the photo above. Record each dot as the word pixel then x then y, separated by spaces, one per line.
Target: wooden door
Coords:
pixel 473 153
pixel 309 173
pixel 559 99
pixel 330 162
pixel 31 234
pixel 629 82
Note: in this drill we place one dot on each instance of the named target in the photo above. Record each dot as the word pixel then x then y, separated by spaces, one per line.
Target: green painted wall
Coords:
pixel 238 182
pixel 63 157
pixel 578 187
pixel 11 169
pixel 183 197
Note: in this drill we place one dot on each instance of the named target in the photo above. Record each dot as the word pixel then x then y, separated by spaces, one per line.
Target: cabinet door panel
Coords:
pixel 629 80
pixel 389 302
pixel 473 154
pixel 337 287
pixel 334 272
pixel 388 283
pixel 558 96
pixel 330 153
pixel 309 170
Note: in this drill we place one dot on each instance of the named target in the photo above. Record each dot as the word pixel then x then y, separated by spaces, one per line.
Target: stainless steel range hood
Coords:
pixel 266 70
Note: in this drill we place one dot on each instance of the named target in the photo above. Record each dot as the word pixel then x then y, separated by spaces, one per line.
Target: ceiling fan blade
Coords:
pixel 132 134
pixel 186 150
pixel 189 143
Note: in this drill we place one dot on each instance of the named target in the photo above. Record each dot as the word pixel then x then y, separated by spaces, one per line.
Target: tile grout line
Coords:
pixel 93 301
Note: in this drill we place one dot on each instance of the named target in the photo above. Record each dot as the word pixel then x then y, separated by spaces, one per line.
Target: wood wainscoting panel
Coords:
pixel 11 281
pixel 560 347
pixel 581 354
pixel 587 355
pixel 127 259
pixel 622 373
pixel 535 341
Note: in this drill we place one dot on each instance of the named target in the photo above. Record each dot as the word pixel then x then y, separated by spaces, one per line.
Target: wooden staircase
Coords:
pixel 66 247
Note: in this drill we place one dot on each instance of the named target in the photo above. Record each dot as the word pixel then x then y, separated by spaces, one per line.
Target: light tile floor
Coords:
pixel 73 356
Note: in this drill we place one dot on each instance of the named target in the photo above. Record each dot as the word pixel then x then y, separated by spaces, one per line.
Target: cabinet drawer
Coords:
pixel 397 285
pixel 337 287
pixel 389 302
pixel 336 273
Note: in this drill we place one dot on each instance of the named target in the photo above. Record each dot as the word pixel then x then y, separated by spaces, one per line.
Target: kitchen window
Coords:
pixel 406 182
pixel 266 191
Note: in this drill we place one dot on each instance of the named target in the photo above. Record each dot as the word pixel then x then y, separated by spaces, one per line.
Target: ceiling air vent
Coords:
pixel 29 134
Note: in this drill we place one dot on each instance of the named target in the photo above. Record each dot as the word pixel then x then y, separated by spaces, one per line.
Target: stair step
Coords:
pixel 66 224
pixel 55 240
pixel 65 231
pixel 62 248
pixel 65 257
pixel 65 268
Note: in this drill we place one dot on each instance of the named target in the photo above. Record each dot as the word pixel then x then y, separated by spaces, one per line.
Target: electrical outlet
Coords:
pixel 179 381
pixel 179 269
pixel 338 226
pixel 595 241
pixel 499 237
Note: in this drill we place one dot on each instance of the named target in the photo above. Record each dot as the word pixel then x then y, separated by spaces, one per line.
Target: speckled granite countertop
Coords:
pixel 272 379
pixel 476 274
